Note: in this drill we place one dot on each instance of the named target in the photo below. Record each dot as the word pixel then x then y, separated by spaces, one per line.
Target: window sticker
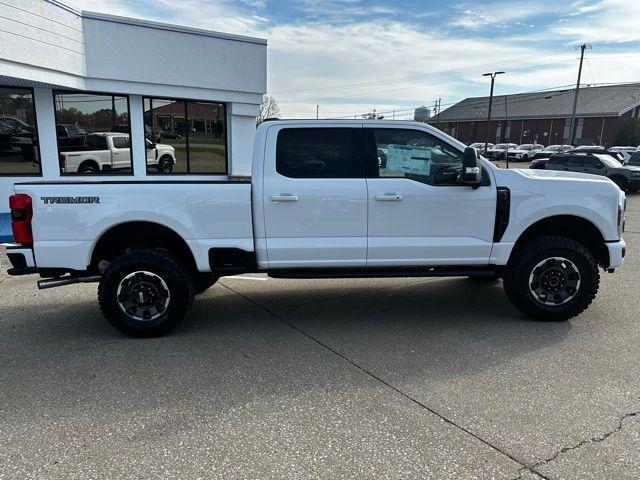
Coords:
pixel 408 159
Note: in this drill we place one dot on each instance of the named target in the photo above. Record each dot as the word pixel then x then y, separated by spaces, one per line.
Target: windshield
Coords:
pixel 526 146
pixel 501 146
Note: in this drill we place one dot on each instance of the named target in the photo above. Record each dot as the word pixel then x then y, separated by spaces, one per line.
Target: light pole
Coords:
pixel 493 76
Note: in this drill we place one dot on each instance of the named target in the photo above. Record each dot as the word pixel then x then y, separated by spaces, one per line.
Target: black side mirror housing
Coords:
pixel 471 168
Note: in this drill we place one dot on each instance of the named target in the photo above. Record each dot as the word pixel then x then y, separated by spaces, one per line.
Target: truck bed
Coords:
pixel 69 217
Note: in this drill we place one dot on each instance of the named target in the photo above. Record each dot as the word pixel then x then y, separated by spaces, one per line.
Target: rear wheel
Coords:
pixel 552 278
pixel 145 293
pixel 88 168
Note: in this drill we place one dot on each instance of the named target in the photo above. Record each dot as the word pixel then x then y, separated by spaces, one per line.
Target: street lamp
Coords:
pixel 493 79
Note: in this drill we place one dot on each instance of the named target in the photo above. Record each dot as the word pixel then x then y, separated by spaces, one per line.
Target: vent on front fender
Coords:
pixel 503 208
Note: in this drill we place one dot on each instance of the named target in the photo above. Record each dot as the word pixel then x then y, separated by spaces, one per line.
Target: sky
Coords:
pixel 353 56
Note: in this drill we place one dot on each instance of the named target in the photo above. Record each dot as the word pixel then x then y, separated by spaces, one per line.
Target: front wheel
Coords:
pixel 145 293
pixel 621 182
pixel 552 278
pixel 165 164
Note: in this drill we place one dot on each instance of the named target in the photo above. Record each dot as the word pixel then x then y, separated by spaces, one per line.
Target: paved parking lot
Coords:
pixel 392 378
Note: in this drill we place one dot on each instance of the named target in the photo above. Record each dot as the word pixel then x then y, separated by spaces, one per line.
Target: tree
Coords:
pixel 268 109
pixel 630 134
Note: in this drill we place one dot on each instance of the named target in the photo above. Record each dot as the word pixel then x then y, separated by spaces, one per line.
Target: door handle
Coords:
pixel 389 197
pixel 284 197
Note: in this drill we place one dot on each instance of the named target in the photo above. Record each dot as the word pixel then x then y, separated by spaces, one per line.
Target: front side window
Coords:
pixel 84 122
pixel 416 155
pixel 190 134
pixel 19 154
pixel 319 153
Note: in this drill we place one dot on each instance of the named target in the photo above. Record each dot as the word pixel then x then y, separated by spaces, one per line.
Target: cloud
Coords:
pixel 501 14
pixel 319 50
pixel 602 21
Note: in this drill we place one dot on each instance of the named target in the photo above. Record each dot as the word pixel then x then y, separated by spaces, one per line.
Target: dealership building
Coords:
pixel 70 79
pixel 544 117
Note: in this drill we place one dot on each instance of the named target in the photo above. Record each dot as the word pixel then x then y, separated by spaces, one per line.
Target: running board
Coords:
pixel 395 272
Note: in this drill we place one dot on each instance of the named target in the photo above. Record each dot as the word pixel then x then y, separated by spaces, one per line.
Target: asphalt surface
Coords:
pixel 390 378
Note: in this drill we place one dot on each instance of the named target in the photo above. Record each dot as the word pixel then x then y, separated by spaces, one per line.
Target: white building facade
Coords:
pixel 70 79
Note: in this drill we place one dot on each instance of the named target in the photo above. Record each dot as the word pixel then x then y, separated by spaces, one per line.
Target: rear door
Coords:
pixel 418 213
pixel 591 164
pixel 121 152
pixel 315 197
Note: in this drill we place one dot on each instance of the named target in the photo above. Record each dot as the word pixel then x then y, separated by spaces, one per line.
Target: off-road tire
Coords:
pixel 524 260
pixel 88 168
pixel 165 165
pixel 160 263
pixel 203 281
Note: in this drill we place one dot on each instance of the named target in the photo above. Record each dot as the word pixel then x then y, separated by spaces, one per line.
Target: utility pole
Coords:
pixel 506 123
pixel 317 111
pixel 583 47
pixel 493 76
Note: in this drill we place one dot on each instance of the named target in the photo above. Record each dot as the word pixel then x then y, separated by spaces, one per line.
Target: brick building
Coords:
pixel 544 117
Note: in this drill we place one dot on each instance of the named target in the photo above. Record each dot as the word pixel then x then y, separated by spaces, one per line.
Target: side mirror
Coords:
pixel 150 146
pixel 471 170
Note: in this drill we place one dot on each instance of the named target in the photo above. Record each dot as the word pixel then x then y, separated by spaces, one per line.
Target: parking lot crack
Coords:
pixel 589 441
pixel 379 379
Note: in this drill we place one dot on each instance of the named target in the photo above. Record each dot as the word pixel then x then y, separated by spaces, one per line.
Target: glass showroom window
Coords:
pixel 91 128
pixel 19 153
pixel 191 134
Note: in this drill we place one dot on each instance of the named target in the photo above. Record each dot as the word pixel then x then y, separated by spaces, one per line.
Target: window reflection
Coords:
pixel 19 153
pixel 193 132
pixel 93 133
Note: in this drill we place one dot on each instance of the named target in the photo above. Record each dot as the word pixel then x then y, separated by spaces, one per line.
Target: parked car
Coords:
pixel 634 160
pixel 627 178
pixel 111 151
pixel 550 150
pixel 16 123
pixel 500 151
pixel 171 134
pixel 539 163
pixel 313 210
pixel 623 149
pixel 480 146
pixel 599 151
pixel 524 152
pixel 70 136
pixel 6 133
pixel 21 136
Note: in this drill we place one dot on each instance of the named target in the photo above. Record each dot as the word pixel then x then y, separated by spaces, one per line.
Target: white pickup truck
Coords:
pixel 327 199
pixel 109 151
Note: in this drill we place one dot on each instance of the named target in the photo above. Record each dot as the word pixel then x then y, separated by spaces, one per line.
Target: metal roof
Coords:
pixel 604 101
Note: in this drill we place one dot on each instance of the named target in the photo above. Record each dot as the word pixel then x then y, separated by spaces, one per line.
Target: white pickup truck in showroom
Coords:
pixel 108 152
pixel 327 199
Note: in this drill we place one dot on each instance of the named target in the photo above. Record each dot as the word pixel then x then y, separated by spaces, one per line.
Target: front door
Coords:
pixel 418 213
pixel 315 198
